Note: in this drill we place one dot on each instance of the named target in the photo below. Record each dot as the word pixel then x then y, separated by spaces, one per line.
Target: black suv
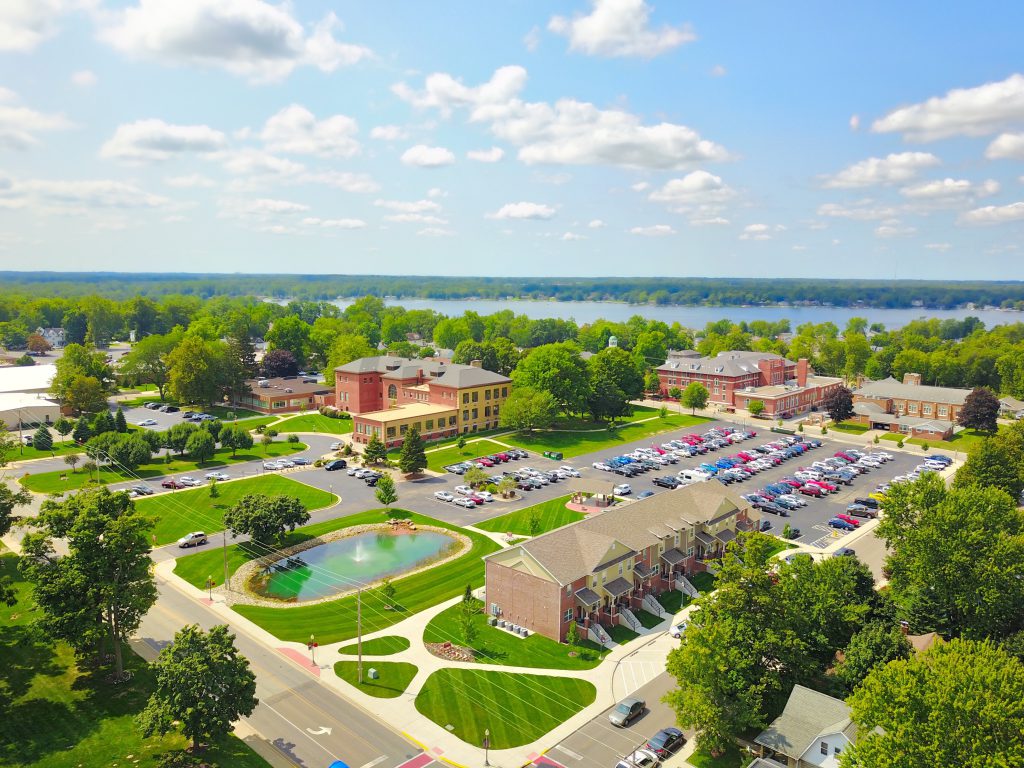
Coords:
pixel 667 482
pixel 867 502
pixel 334 464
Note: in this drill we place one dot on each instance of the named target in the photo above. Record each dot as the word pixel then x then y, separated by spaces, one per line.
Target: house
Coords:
pixel 813 730
pixel 55 336
pixel 387 396
pixel 284 394
pixel 1011 407
pixel 734 379
pixel 909 407
pixel 597 571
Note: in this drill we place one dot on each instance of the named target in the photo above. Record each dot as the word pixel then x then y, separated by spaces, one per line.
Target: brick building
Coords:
pixel 388 396
pixel 597 571
pixel 736 378
pixel 285 394
pixel 909 407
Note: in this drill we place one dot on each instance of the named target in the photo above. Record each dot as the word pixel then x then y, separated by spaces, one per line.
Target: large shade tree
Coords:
pixel 980 410
pixel 265 518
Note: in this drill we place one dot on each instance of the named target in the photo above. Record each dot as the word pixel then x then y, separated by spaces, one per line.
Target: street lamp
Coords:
pixel 487 745
pixel 210 583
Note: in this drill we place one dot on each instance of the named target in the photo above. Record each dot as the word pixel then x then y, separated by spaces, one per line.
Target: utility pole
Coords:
pixel 224 549
pixel 359 634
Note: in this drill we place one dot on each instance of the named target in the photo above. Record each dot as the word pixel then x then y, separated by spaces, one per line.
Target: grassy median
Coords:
pixel 550 515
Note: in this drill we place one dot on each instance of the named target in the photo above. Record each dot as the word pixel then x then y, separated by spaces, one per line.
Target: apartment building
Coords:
pixel 597 571
pixel 387 396
pixel 909 407
pixel 284 394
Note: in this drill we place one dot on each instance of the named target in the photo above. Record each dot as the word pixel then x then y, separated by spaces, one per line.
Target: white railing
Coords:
pixel 596 633
pixel 683 585
pixel 626 618
pixel 651 605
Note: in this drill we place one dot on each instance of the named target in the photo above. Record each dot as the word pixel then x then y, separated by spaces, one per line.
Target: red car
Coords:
pixel 485 461
pixel 172 483
pixel 851 520
pixel 823 485
pixel 812 490
pixel 846 456
pixel 793 483
pixel 478 500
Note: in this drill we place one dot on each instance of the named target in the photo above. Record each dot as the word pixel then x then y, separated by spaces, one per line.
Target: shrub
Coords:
pixel 260 429
pixel 800 427
pixel 924 446
pixel 877 441
pixel 824 429
pixel 899 443
pixel 270 432
pixel 292 438
pixel 318 463
pixel 492 488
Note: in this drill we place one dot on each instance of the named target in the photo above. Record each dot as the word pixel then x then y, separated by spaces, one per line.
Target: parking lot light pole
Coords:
pixel 487 745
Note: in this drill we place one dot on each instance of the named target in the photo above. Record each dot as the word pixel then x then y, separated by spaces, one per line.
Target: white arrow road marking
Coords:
pixel 321 731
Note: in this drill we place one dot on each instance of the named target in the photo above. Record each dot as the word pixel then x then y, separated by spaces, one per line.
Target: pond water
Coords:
pixel 343 564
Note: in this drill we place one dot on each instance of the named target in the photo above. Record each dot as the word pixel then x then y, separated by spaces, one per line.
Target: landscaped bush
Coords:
pixel 292 438
pixel 270 432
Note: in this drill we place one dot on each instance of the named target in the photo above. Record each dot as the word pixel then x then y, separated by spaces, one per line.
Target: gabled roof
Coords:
pixel 435 371
pixel 890 388
pixel 808 716
pixel 730 363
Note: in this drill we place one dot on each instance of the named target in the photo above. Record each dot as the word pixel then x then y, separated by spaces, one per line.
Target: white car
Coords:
pixel 485 495
pixel 361 473
pixel 271 465
pixel 463 490
pixel 335 446
pixel 217 476
pixel 622 490
pixel 285 463
pixel 147 423
pixel 642 758
pixel 883 455
pixel 677 630
pixel 792 498
pixel 602 466
pixel 938 466
pixel 468 503
pixel 193 539
pixel 570 471
pixel 189 481
pixel 443 496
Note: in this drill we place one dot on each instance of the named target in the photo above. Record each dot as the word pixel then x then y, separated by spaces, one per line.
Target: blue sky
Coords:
pixel 591 137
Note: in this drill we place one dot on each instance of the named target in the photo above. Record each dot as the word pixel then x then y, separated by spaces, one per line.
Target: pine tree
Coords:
pixel 82 431
pixel 375 451
pixel 42 439
pixel 119 421
pixel 413 457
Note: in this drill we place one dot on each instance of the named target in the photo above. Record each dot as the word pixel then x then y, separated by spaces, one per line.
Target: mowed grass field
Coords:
pixel 314 422
pixel 517 709
pixel 550 514
pixel 178 512
pixel 577 443
pixel 379 646
pixel 336 620
pixel 394 677
pixel 58 714
pixel 452 454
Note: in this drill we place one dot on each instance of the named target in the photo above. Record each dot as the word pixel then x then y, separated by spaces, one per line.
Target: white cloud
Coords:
pixel 388 133
pixel 403 206
pixel 854 122
pixel 271 206
pixel 572 236
pixel 435 232
pixel 1008 146
pixel 257 168
pixel 24 24
pixel 950 190
pixel 975 111
pixel 719 71
pixel 864 210
pixel 710 221
pixel 295 130
pixel 20 126
pixel 756 232
pixel 568 132
pixel 312 221
pixel 84 78
pixel 941 247
pixel 492 155
pixel 894 228
pixel 619 28
pixel 696 187
pixel 414 218
pixel 192 181
pixel 523 210
pixel 640 186
pixel 596 224
pixel 357 183
pixel 155 141
pixel 436 192
pixel 892 169
pixel 423 156
pixel 531 40
pixel 655 230
pixel 77 196
pixel 251 38
pixel 994 214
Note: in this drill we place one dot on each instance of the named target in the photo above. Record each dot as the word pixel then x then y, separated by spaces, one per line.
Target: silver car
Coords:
pixel 626 711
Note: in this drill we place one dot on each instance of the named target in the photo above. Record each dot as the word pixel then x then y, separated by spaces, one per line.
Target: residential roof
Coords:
pixel 1011 403
pixel 27 378
pixel 433 371
pixel 730 363
pixel 642 570
pixel 587 596
pixel 807 716
pixel 705 539
pixel 921 643
pixel 890 388
pixel 673 556
pixel 403 412
pixel 618 586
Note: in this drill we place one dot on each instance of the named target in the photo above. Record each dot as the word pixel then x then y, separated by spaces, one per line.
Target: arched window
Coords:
pixel 392 392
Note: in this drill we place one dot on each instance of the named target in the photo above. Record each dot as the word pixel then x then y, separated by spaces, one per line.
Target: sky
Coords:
pixel 513 138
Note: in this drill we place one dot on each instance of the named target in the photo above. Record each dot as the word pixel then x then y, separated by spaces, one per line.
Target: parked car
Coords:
pixel 464 502
pixel 142 490
pixel 667 482
pixel 335 446
pixel 485 495
pixel 847 518
pixel 193 539
pixel 623 489
pixel 812 490
pixel 677 630
pixel 840 524
pixel 443 496
pixel 218 476
pixel 169 409
pixel 152 405
pixel 463 490
pixel 626 711
pixel 868 502
pixel 570 471
pixel 335 464
pixel 171 483
pixel 859 510
pixel 641 758
pixel 844 552
pixel 666 741
pixel 147 423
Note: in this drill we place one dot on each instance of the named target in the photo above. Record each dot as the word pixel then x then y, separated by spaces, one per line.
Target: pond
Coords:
pixel 342 565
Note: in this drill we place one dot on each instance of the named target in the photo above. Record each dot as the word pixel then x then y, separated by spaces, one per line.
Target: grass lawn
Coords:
pixel 179 512
pixel 964 440
pixel 395 677
pixel 62 448
pixel 58 715
pixel 552 514
pixel 850 427
pixel 647 620
pixel 336 620
pixel 315 422
pixel 577 443
pixel 672 600
pixel 517 709
pixel 703 581
pixel 496 646
pixel 438 460
pixel 621 634
pixel 731 758
pixel 780 546
pixel 379 646
pixel 51 482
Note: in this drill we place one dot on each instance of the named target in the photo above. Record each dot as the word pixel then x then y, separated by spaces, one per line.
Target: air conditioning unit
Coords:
pixel 289 390
pixel 263 383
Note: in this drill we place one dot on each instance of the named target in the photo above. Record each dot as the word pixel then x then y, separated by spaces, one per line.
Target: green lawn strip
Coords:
pixel 496 646
pixel 780 546
pixel 447 441
pixel 621 634
pixel 179 512
pixel 850 427
pixel 379 646
pixel 731 758
pixel 517 709
pixel 315 422
pixel 703 581
pixel 58 715
pixel 438 460
pixel 394 677
pixel 51 482
pixel 647 620
pixel 577 443
pixel 552 514
pixel 673 600
pixel 62 448
pixel 336 620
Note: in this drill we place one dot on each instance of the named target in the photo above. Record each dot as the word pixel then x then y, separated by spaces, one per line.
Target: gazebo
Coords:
pixel 601 491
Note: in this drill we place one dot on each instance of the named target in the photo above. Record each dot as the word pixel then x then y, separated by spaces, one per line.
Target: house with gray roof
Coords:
pixel 1011 407
pixel 813 730
pixel 909 407
pixel 597 571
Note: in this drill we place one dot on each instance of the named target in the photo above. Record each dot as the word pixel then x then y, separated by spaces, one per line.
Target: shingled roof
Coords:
pixel 890 388
pixel 434 371
pixel 808 716
pixel 730 363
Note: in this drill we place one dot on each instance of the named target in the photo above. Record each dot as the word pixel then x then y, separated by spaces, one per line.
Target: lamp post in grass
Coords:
pixel 487 745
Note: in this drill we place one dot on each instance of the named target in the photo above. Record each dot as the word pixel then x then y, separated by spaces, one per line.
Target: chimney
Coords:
pixel 801 372
pixel 476 363
pixel 913 379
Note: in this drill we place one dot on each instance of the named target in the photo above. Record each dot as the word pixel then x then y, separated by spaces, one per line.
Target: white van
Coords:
pixel 693 475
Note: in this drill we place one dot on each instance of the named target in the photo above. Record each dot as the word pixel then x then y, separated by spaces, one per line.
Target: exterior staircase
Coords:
pixel 683 585
pixel 627 619
pixel 651 605
pixel 596 633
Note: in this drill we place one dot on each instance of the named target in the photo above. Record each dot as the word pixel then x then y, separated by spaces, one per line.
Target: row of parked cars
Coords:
pixel 527 479
pixel 486 462
pixel 369 476
pixel 659 747
pixel 298 461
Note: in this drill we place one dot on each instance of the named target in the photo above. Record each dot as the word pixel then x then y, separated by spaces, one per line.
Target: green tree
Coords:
pixel 81 379
pixel 695 396
pixel 617 366
pixel 675 393
pixel 236 438
pixel 460 443
pixel 128 452
pixel 82 430
pixel 178 436
pixel 652 383
pixel 387 592
pixel 104 585
pixel 194 370
pixel 203 686
pixel 42 439
pixel 558 369
pixel 344 350
pixel 375 450
pixel 993 463
pixel 756 407
pixel 63 427
pixel 265 518
pixel 412 458
pixel 385 491
pixel 103 422
pixel 534 522
pixel 290 333
pixel 980 411
pixel 72 460
pixel 468 612
pixel 85 394
pixel 839 404
pixel 606 401
pixel 120 423
pixel 875 645
pixel 200 446
pixel 960 703
pixel 572 636
pixel 474 477
pixel 146 363
pixel 527 409
pixel 507 485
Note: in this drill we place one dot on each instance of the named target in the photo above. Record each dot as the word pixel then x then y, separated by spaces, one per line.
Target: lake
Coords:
pixel 695 317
